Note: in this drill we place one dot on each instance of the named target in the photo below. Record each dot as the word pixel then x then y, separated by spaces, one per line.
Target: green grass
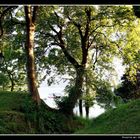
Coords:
pixel 11 100
pixel 18 115
pixel 122 120
pixel 12 120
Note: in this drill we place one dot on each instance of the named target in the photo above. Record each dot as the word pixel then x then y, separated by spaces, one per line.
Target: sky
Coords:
pixel 46 92
pixel 119 69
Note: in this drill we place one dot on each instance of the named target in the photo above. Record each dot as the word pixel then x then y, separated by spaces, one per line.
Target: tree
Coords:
pixel 30 16
pixel 130 87
pixel 13 64
pixel 74 31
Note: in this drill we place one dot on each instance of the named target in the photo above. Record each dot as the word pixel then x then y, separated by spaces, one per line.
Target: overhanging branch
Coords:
pixel 67 55
pixel 78 27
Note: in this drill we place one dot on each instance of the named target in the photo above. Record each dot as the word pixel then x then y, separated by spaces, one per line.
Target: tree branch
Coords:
pixel 78 27
pixel 52 28
pixel 101 26
pixel 54 37
pixel 61 44
pixel 88 14
pixel 58 20
pixel 67 55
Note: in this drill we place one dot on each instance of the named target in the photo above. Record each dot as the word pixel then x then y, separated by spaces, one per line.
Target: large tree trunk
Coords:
pixel 29 47
pixel 76 92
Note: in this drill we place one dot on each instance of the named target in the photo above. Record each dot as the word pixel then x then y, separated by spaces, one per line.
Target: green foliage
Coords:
pixel 12 120
pixel 8 100
pixel 44 120
pixel 14 60
pixel 62 102
pixel 109 28
pixel 130 48
pixel 121 120
pixel 23 117
pixel 106 97
pixel 116 17
pixel 89 100
pixel 129 88
pixel 4 81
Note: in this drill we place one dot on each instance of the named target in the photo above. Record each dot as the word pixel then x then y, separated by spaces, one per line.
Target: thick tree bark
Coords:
pixel 29 47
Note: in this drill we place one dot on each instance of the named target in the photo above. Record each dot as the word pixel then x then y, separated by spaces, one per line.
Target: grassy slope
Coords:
pixel 17 116
pixel 122 120
pixel 12 120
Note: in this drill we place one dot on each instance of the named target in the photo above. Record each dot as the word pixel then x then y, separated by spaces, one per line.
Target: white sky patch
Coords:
pixel 120 69
pixel 94 111
pixel 47 92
